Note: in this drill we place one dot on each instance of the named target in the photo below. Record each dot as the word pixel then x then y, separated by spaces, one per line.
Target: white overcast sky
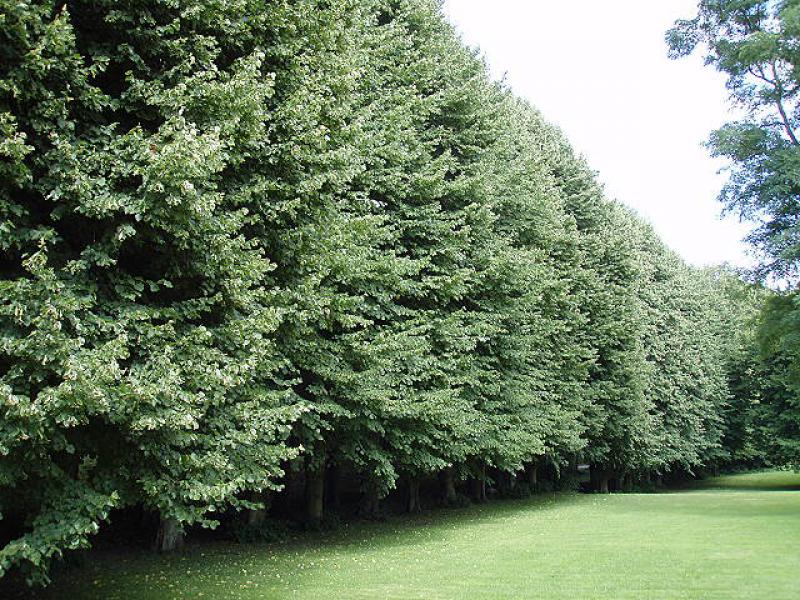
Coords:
pixel 600 71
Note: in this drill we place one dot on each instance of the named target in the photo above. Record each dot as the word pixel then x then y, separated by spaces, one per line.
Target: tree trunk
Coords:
pixel 315 492
pixel 533 476
pixel 448 486
pixel 505 481
pixel 604 480
pixel 413 496
pixel 333 487
pixel 599 479
pixel 370 505
pixel 479 486
pixel 257 517
pixel 169 536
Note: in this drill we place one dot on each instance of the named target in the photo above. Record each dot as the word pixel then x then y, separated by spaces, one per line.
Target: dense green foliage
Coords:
pixel 248 244
pixel 734 538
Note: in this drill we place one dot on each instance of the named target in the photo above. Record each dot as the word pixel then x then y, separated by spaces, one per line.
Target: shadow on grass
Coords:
pixel 762 481
pixel 75 577
pixel 221 566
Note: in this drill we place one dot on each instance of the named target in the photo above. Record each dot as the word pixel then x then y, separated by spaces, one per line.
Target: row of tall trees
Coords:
pixel 245 237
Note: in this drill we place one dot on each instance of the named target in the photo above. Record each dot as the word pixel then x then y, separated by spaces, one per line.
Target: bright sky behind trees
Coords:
pixel 600 71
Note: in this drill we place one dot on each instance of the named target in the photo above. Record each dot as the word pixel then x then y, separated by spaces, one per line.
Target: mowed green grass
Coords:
pixel 733 537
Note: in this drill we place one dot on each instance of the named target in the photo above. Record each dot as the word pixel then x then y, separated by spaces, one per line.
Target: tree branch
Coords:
pixel 760 75
pixel 779 102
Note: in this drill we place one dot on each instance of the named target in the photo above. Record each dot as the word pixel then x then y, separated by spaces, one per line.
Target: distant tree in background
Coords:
pixel 780 348
pixel 757 45
pixel 738 306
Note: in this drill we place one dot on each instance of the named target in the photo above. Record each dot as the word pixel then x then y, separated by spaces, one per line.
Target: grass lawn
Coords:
pixel 732 537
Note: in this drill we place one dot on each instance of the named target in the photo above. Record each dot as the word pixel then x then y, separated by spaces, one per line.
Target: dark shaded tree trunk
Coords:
pixel 333 487
pixel 533 476
pixel 257 517
pixel 505 482
pixel 145 518
pixel 448 486
pixel 478 486
pixel 573 464
pixel 169 536
pixel 315 492
pixel 599 479
pixel 370 505
pixel 414 505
